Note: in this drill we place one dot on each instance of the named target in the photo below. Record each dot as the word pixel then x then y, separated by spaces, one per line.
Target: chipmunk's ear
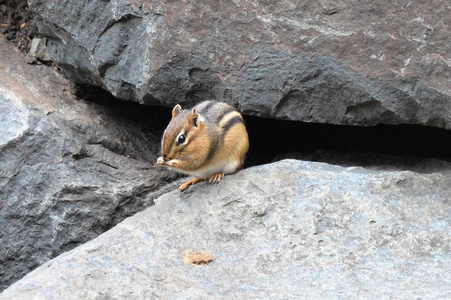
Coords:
pixel 195 119
pixel 176 110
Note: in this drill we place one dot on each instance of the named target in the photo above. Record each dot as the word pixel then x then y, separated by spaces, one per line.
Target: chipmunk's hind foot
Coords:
pixel 187 184
pixel 215 178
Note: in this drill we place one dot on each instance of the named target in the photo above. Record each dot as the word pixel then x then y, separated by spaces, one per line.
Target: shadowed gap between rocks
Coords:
pixel 381 147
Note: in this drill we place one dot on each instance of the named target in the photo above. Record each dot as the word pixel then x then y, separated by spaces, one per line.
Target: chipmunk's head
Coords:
pixel 184 140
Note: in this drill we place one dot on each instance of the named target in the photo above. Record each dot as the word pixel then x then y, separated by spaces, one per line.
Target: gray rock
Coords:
pixel 38 50
pixel 65 174
pixel 323 61
pixel 287 230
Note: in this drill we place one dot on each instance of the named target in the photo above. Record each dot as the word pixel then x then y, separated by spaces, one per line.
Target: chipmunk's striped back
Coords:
pixel 210 140
pixel 220 114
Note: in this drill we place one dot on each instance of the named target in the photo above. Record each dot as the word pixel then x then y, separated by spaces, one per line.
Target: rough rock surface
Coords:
pixel 287 230
pixel 64 172
pixel 338 62
pixel 17 23
pixel 38 50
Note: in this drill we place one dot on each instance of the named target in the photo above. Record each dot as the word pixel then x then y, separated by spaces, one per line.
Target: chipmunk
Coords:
pixel 207 142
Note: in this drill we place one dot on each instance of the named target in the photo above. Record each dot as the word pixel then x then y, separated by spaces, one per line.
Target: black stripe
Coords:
pixel 206 108
pixel 212 151
pixel 231 122
pixel 228 110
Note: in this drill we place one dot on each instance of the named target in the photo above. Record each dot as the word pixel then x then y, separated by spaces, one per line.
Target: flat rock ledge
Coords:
pixel 290 229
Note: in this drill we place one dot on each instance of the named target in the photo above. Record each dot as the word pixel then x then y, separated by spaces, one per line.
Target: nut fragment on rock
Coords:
pixel 198 258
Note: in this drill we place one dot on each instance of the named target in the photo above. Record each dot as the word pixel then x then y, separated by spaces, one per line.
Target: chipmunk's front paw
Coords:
pixel 215 178
pixel 160 161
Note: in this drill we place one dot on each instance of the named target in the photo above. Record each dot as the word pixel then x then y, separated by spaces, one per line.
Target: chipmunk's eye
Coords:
pixel 181 139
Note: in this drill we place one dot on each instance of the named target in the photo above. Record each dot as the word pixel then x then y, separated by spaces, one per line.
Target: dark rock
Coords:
pixel 288 230
pixel 17 23
pixel 69 169
pixel 325 61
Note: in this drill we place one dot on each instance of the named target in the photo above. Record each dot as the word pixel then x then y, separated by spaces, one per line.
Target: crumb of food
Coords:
pixel 198 258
